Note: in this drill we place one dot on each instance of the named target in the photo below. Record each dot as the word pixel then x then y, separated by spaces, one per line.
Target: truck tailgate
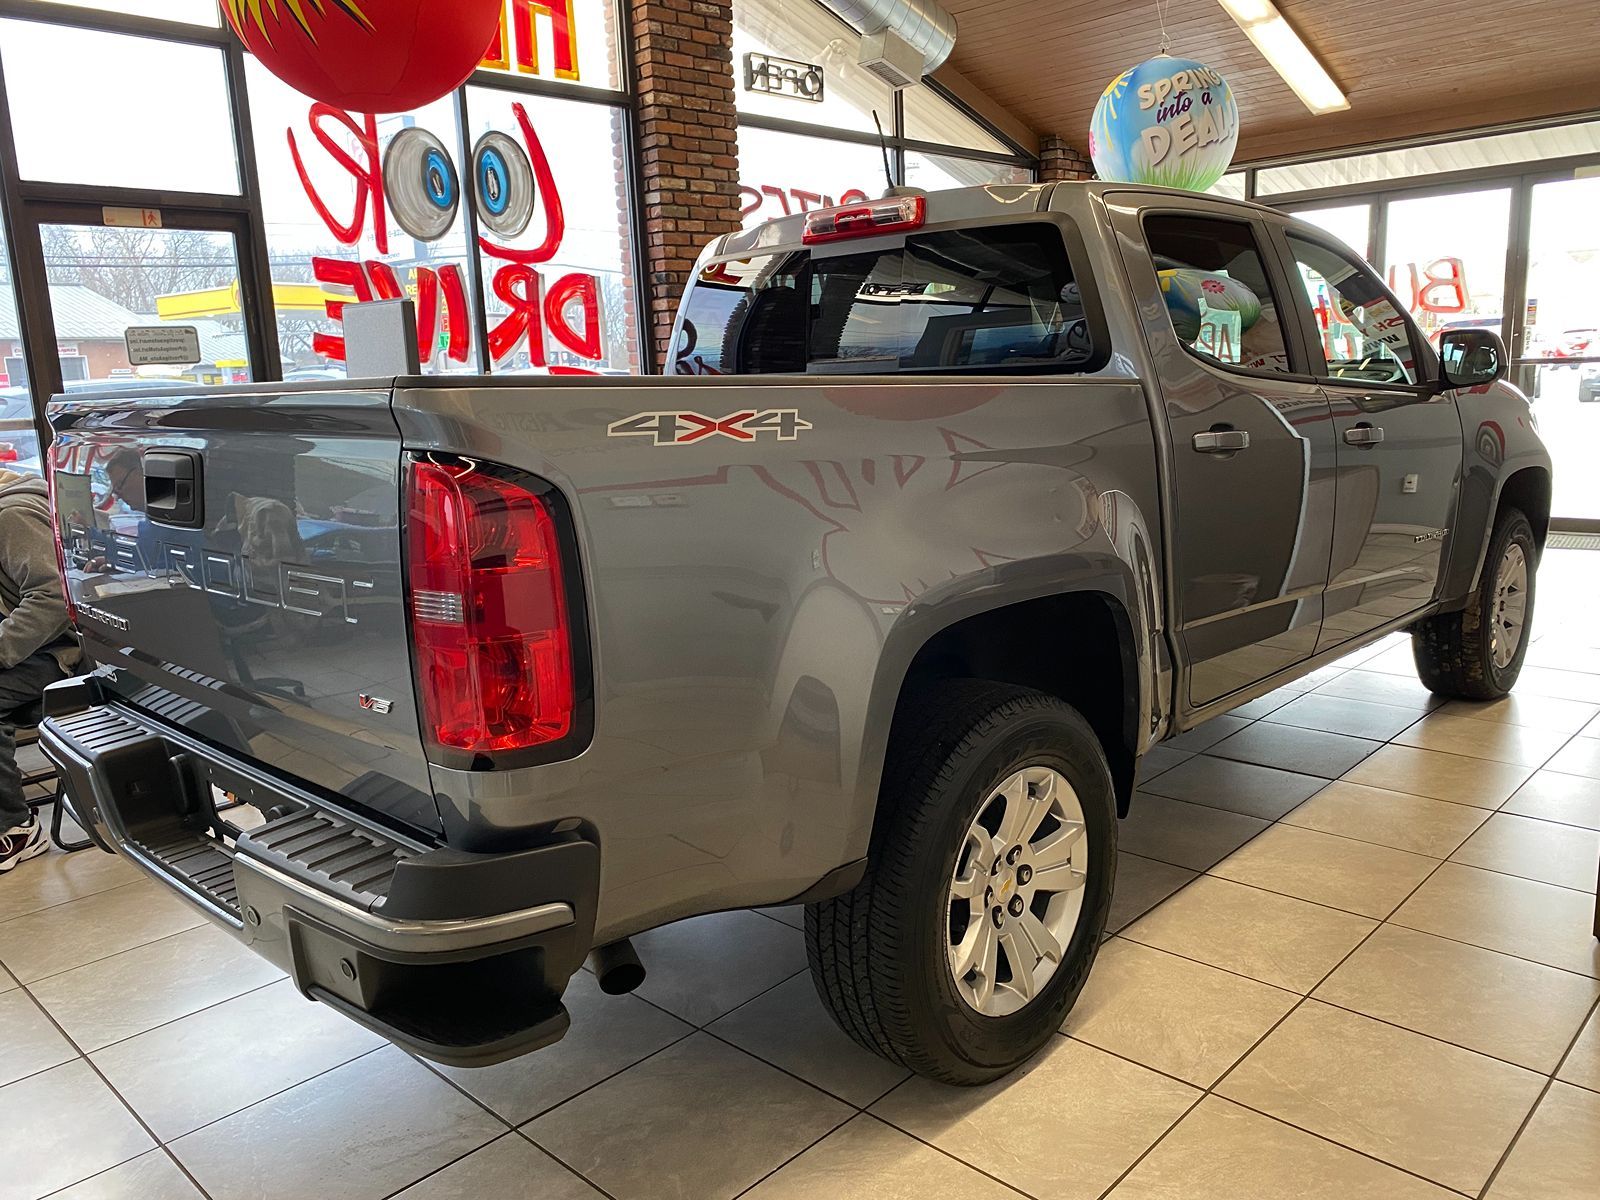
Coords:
pixel 235 561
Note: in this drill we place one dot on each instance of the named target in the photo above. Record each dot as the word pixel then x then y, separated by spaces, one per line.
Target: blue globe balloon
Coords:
pixel 1172 122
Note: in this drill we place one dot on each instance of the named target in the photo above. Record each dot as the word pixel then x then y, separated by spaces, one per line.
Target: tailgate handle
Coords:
pixel 172 488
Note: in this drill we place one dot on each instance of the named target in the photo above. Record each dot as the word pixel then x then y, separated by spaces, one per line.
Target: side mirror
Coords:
pixel 1471 358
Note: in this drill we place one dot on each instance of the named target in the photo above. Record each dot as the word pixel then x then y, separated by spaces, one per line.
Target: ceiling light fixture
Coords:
pixel 1290 57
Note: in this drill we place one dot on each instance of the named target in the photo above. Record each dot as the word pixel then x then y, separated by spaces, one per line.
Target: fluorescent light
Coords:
pixel 1290 57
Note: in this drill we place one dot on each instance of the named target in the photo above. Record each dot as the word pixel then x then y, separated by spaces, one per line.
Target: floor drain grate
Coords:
pixel 1574 541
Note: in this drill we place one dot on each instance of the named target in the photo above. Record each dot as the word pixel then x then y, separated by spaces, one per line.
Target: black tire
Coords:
pixel 1455 651
pixel 879 953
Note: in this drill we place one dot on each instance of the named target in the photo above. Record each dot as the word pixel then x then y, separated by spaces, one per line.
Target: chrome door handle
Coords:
pixel 1222 441
pixel 1363 435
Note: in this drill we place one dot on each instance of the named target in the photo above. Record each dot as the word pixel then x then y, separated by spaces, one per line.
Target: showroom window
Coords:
pixel 809 117
pixel 330 233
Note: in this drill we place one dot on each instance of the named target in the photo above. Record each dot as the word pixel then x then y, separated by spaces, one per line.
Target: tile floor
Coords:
pixel 1351 958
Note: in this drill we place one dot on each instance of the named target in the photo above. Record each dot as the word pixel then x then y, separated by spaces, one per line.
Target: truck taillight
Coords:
pixel 898 215
pixel 489 614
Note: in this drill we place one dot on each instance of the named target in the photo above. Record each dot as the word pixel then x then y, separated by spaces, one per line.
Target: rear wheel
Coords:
pixel 1477 653
pixel 987 886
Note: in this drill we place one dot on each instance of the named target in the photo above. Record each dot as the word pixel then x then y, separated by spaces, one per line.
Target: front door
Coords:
pixel 1252 446
pixel 1399 444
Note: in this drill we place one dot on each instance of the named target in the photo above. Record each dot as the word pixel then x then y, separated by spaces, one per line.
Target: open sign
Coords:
pixel 783 77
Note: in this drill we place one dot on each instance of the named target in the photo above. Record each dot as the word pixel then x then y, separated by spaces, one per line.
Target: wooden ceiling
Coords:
pixel 1409 67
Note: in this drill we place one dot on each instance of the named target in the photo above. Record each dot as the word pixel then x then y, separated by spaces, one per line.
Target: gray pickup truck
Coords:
pixel 430 689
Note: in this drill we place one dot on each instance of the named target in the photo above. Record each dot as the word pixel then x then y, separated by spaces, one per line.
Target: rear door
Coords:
pixel 1252 444
pixel 234 556
pixel 1399 441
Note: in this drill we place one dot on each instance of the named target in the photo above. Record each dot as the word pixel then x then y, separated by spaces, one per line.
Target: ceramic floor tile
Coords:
pixel 7 983
pixel 702 968
pixel 151 1176
pixel 1109 1111
pixel 1290 748
pixel 608 1034
pixel 699 1121
pixel 1592 729
pixel 1520 745
pixel 1570 799
pixel 868 1160
pixel 1558 1153
pixel 789 1028
pixel 1358 877
pixel 32 1042
pixel 1394 690
pixel 1237 786
pixel 188 1073
pixel 1537 712
pixel 1262 706
pixel 511 1168
pixel 1142 883
pixel 1581 756
pixel 1542 850
pixel 1186 835
pixel 1565 685
pixel 1439 776
pixel 1439 1111
pixel 1583 1063
pixel 1223 1152
pixel 62 1126
pixel 55 878
pixel 1176 1016
pixel 68 935
pixel 1510 1008
pixel 1161 758
pixel 114 998
pixel 359 1132
pixel 1276 939
pixel 1209 734
pixel 1413 823
pixel 1397 660
pixel 1339 714
pixel 1521 917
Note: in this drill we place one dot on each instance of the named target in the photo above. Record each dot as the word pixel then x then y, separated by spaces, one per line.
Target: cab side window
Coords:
pixel 1217 291
pixel 1365 337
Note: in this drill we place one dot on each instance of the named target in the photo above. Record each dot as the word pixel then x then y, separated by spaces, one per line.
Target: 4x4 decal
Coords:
pixel 686 428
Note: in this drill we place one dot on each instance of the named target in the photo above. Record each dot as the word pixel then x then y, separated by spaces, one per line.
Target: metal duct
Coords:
pixel 926 24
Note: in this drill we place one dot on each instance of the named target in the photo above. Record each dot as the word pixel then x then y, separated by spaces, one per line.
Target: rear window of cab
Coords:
pixel 995 300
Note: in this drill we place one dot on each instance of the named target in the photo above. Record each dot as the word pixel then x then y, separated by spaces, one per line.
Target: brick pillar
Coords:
pixel 1060 161
pixel 688 145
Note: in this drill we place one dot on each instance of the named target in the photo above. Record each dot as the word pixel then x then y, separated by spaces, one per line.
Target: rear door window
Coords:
pixel 995 300
pixel 1217 290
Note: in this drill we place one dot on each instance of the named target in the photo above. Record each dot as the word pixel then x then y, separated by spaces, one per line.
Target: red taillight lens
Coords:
pixel 488 611
pixel 897 215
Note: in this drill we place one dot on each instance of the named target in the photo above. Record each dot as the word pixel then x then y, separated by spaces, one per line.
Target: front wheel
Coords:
pixel 1477 653
pixel 988 883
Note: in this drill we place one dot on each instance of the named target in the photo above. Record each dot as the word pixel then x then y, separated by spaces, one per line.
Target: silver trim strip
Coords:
pixel 418 936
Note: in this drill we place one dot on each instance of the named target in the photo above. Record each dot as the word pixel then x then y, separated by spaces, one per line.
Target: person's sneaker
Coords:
pixel 22 843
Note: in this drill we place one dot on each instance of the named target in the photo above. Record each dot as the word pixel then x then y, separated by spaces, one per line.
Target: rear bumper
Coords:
pixel 460 958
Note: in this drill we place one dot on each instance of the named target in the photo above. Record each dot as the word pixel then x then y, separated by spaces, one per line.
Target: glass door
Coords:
pixel 1445 257
pixel 1559 358
pixel 129 296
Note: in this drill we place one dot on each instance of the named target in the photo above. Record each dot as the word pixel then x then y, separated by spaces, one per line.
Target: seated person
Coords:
pixel 37 647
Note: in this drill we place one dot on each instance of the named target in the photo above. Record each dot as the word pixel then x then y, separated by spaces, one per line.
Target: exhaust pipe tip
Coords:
pixel 617 967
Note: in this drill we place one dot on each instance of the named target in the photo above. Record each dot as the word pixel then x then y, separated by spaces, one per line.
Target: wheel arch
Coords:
pixel 1090 646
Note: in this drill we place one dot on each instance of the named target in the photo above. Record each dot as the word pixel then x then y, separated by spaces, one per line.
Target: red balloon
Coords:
pixel 374 56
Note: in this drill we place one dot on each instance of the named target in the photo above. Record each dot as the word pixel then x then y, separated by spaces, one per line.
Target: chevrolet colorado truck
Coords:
pixel 952 506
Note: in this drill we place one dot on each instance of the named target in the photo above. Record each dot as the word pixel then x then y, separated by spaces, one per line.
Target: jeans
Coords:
pixel 21 685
